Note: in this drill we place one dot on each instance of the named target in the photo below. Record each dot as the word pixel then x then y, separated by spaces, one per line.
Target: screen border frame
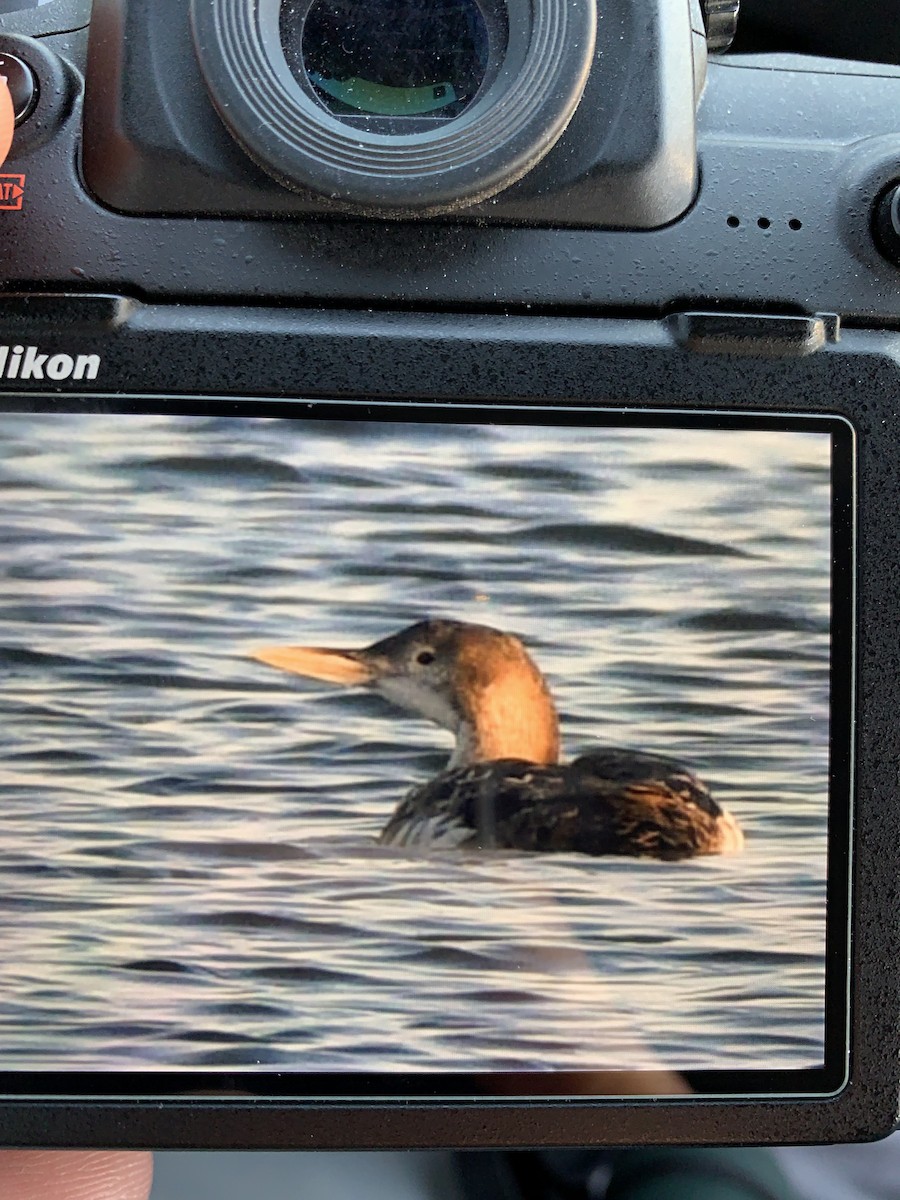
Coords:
pixel 612 363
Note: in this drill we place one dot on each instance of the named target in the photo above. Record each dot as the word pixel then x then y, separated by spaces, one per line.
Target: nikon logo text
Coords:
pixel 24 363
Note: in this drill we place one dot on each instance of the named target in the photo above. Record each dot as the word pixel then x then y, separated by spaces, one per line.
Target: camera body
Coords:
pixel 204 220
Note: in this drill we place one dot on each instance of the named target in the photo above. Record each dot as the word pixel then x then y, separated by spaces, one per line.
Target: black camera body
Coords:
pixel 580 256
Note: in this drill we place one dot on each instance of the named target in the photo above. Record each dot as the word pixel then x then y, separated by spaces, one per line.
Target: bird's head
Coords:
pixel 477 682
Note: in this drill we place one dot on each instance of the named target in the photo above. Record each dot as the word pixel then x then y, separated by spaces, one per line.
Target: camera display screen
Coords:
pixel 548 794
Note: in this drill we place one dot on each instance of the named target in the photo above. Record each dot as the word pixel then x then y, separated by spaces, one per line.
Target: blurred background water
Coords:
pixel 189 871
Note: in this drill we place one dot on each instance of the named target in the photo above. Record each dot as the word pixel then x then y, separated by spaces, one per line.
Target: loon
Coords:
pixel 504 786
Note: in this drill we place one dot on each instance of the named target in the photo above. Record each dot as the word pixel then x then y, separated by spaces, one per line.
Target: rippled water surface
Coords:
pixel 189 871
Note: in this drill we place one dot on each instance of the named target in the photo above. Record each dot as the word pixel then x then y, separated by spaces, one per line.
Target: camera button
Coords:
pixel 22 84
pixel 886 223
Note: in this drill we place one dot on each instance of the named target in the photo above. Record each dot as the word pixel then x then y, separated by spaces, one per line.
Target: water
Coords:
pixel 189 870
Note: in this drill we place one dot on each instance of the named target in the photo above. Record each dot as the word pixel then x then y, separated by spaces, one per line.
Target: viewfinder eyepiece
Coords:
pixel 396 107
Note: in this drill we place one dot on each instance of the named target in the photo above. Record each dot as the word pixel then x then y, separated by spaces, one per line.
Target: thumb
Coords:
pixel 74 1175
pixel 7 120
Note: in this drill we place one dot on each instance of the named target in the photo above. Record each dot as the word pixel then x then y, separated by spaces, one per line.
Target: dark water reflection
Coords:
pixel 188 865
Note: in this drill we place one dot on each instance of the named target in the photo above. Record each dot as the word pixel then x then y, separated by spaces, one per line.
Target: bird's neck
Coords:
pixel 511 716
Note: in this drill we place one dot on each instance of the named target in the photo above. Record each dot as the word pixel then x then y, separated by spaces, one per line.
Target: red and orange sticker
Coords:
pixel 12 192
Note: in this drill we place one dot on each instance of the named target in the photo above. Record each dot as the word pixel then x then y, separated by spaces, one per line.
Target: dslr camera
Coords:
pixel 448 613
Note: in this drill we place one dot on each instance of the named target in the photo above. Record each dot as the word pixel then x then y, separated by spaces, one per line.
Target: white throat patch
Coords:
pixel 415 698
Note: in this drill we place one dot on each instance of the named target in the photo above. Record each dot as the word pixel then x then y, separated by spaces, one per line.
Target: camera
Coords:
pixel 448 619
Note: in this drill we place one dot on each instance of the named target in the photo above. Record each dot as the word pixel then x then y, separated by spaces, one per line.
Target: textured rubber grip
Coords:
pixel 7 120
pixel 302 145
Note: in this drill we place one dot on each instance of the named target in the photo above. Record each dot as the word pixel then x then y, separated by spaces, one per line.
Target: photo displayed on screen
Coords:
pixel 360 745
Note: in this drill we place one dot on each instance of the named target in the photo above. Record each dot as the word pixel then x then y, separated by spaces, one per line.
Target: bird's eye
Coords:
pixel 425 657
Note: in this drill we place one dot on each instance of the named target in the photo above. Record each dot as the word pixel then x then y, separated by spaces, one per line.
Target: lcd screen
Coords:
pixel 571 826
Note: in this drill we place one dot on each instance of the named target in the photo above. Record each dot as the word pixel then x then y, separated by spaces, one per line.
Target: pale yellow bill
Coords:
pixel 332 666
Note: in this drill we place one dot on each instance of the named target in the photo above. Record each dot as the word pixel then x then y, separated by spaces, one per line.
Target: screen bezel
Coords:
pixel 561 1086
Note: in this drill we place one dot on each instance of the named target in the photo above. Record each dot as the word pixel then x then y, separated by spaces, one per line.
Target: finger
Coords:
pixel 7 120
pixel 75 1175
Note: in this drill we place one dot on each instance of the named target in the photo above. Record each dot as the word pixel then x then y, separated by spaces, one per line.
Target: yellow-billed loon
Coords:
pixel 504 786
